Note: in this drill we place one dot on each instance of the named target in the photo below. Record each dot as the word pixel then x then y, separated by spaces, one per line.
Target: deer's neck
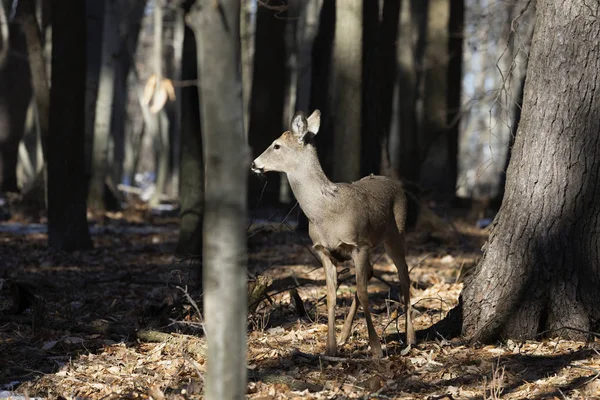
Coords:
pixel 313 190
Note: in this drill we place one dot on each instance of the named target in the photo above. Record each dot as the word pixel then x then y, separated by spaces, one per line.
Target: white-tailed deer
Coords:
pixel 346 220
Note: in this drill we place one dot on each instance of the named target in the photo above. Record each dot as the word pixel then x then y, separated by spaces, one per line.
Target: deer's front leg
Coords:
pixel 331 279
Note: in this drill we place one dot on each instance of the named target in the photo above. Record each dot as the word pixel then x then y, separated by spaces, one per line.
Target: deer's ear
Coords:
pixel 299 126
pixel 314 122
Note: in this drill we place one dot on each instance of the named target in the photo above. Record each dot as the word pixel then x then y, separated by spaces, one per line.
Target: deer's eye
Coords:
pixel 276 146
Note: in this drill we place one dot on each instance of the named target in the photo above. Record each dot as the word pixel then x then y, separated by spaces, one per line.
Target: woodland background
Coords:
pixel 115 119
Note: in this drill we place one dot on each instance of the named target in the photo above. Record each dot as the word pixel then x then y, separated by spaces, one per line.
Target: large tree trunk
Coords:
pixel 227 159
pixel 540 271
pixel 67 223
pixel 347 89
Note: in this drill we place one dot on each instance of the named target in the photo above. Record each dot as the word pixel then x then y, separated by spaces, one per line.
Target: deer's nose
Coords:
pixel 253 166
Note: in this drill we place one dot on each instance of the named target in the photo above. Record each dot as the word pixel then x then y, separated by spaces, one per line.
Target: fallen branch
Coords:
pixel 191 344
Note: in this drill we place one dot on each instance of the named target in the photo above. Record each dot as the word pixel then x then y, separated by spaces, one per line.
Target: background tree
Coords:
pixel 67 221
pixel 347 89
pixel 227 159
pixel 15 93
pixel 191 162
pixel 539 270
pixel 268 90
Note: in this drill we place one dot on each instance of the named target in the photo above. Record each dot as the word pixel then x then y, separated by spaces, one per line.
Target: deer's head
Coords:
pixel 291 149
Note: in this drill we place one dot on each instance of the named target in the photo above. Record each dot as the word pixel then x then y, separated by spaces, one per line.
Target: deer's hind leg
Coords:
pixel 352 312
pixel 396 248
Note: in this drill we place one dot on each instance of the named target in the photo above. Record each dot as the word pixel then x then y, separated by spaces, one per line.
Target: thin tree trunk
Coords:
pixel 4 35
pixel 227 159
pixel 15 94
pixel 539 270
pixel 247 30
pixel 347 89
pixel 161 122
pixel 321 77
pixel 67 223
pixel 268 91
pixel 191 190
pixel 104 107
pixel 454 81
pixel 434 138
pixel 94 22
pixel 371 127
pixel 39 79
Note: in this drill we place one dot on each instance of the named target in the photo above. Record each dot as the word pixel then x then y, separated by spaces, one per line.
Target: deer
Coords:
pixel 346 221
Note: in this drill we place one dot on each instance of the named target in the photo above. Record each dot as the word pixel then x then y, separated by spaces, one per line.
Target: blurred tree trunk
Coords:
pixel 498 48
pixel 15 94
pixel 94 10
pixel 268 91
pixel 307 29
pixel 191 190
pixel 160 118
pixel 404 128
pixel 67 222
pixel 455 78
pixel 130 13
pixel 434 140
pixel 227 158
pixel 387 76
pixel 513 67
pixel 347 89
pixel 370 146
pixel 320 95
pixel 539 272
pixel 4 34
pixel 103 115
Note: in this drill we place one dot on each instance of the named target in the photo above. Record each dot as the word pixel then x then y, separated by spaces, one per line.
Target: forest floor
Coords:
pixel 120 321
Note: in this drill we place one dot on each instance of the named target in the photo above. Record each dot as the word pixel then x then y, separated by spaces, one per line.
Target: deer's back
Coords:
pixel 362 213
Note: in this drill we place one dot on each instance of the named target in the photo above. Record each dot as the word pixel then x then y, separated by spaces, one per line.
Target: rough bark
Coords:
pixel 347 89
pixel 67 223
pixel 216 25
pixel 540 268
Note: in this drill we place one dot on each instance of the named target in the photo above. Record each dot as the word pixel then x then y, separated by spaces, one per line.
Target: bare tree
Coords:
pixel 347 88
pixel 67 222
pixel 15 94
pixel 191 163
pixel 104 105
pixel 216 26
pixel 539 271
